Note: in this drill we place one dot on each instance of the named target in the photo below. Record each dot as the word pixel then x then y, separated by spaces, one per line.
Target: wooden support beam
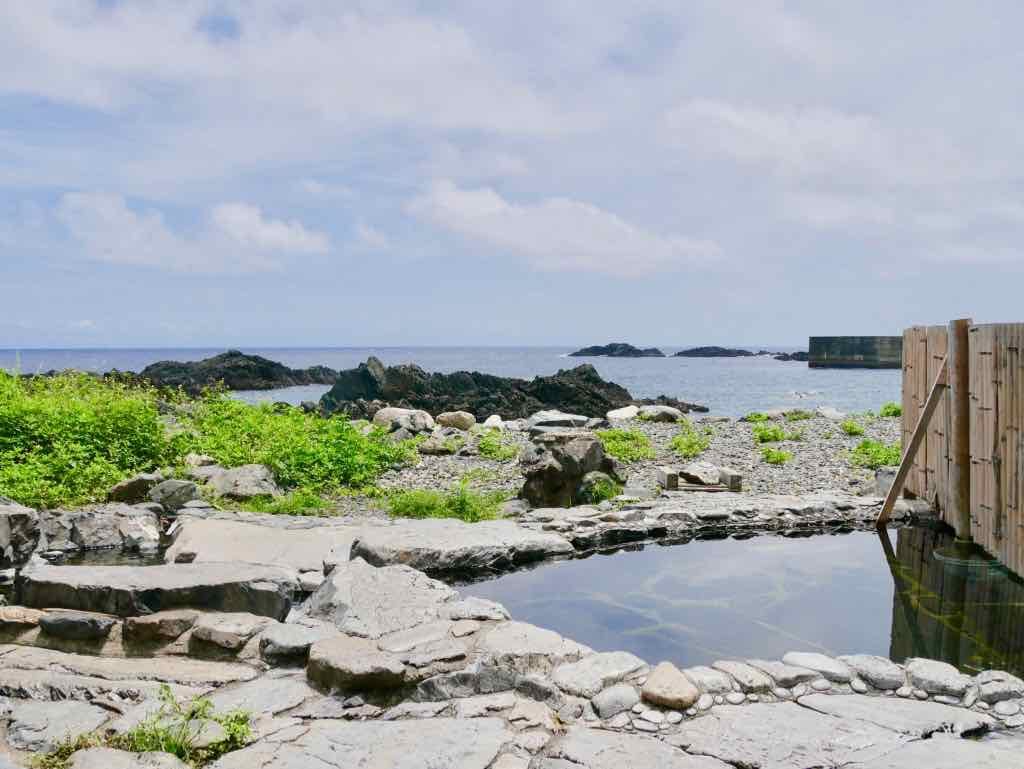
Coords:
pixel 916 439
pixel 959 438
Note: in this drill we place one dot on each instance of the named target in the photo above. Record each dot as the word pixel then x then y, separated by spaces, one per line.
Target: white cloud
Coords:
pixel 557 233
pixel 239 237
pixel 370 238
pixel 325 190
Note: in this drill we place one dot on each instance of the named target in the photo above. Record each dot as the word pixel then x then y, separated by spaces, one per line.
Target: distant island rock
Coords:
pixel 798 356
pixel 714 352
pixel 617 350
pixel 236 370
pixel 361 391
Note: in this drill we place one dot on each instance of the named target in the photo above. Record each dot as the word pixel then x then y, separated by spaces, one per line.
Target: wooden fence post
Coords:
pixel 959 439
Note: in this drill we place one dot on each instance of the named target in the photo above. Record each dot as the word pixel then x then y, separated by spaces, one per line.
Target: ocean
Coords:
pixel 728 386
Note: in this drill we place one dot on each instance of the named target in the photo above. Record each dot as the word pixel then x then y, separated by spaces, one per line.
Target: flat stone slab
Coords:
pixel 594 672
pixel 907 716
pixel 830 668
pixel 416 744
pixel 936 677
pixel 880 672
pixel 108 758
pixel 784 735
pixel 39 726
pixel 593 749
pixel 526 648
pixel 371 602
pixel 951 753
pixel 133 590
pixel 440 546
pixel 206 540
pixel 750 678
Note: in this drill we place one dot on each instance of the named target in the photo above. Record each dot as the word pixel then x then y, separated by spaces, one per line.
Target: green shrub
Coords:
pixel 766 433
pixel 66 439
pixel 875 454
pixel 599 491
pixel 462 503
pixel 755 416
pixel 304 451
pixel 175 728
pixel 627 445
pixel 690 442
pixel 494 444
pixel 891 410
pixel 298 502
pixel 851 427
pixel 798 415
pixel 775 456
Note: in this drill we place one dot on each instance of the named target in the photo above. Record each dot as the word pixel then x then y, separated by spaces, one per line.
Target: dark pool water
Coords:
pixel 761 597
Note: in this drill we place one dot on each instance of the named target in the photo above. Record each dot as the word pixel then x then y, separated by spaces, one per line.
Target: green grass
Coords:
pixel 875 454
pixel 775 456
pixel 798 415
pixel 300 502
pixel 755 416
pixel 65 440
pixel 494 444
pixel 766 433
pixel 891 409
pixel 462 502
pixel 626 445
pixel 851 427
pixel 690 442
pixel 175 729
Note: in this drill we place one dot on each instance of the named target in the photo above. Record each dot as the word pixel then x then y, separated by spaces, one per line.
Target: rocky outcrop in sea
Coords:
pixel 714 352
pixel 617 350
pixel 236 370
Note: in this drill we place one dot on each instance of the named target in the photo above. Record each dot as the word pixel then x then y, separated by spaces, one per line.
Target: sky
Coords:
pixel 320 172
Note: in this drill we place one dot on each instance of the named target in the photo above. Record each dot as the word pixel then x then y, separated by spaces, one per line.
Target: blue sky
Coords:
pixel 311 172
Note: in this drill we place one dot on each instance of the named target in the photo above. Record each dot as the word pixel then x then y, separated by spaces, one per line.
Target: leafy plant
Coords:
pixel 627 445
pixel 798 415
pixel 600 490
pixel 299 502
pixel 462 502
pixel 494 444
pixel 851 427
pixel 755 416
pixel 767 433
pixel 775 456
pixel 175 728
pixel 690 442
pixel 874 454
pixel 796 435
pixel 891 409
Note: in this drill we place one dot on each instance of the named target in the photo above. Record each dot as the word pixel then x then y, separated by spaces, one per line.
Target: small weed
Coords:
pixel 775 456
pixel 755 416
pixel 453 443
pixel 495 445
pixel 690 442
pixel 766 433
pixel 599 491
pixel 796 435
pixel 851 427
pixel 891 409
pixel 798 415
pixel 626 445
pixel 462 503
pixel 875 454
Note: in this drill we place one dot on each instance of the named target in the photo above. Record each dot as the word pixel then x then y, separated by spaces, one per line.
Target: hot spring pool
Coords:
pixel 761 597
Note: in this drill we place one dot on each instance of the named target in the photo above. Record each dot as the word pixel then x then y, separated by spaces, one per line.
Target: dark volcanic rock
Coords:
pixel 362 391
pixel 713 352
pixel 799 356
pixel 236 370
pixel 618 350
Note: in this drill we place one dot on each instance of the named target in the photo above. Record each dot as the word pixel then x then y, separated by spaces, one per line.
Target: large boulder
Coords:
pixel 19 533
pixel 556 464
pixel 245 482
pixel 108 526
pixel 134 489
pixel 174 494
pixel 128 591
pixel 460 420
pixel 411 420
pixel 236 370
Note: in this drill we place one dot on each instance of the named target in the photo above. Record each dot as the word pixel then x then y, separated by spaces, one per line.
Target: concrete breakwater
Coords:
pixel 855 352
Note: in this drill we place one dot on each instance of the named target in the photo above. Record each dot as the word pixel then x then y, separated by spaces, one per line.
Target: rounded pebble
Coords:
pixel 653 716
pixel 858 686
pixel 674 716
pixel 735 698
pixel 821 685
pixel 904 691
pixel 719 699
pixel 638 708
pixel 921 694
pixel 1006 708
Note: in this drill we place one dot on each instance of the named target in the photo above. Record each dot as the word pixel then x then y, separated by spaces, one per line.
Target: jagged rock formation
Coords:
pixel 236 370
pixel 797 356
pixel 714 352
pixel 364 390
pixel 617 350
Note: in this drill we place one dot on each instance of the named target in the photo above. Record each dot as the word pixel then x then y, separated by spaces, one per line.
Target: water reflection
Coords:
pixel 762 597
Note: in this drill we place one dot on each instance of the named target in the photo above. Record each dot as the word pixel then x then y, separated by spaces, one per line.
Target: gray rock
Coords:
pixel 1006 708
pixel 371 602
pixel 105 526
pixel 413 421
pixel 594 672
pixel 342 663
pixel 494 422
pixel 556 464
pixel 40 726
pixel 77 625
pixel 282 643
pixel 268 695
pixel 615 700
pixel 911 717
pixel 245 482
pixel 668 687
pixel 414 744
pixel 830 668
pixel 622 414
pixel 473 608
pixel 594 749
pixel 460 420
pixel 173 494
pixel 880 672
pixel 19 533
pixel 783 735
pixel 556 419
pixel 709 680
pixel 134 489
pixel 750 679
pixel 448 545
pixel 950 753
pixel 784 675
pixel 161 626
pixel 660 414
pixel 526 648
pixel 132 590
pixel 936 677
pixel 998 685
pixel 108 758
pixel 231 630
pixel 667 478
pixel 703 473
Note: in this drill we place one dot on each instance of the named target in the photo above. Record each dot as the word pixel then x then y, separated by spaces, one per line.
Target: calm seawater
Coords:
pixel 762 597
pixel 729 386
